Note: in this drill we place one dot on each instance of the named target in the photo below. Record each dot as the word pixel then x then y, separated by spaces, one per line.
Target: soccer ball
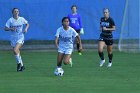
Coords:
pixel 59 72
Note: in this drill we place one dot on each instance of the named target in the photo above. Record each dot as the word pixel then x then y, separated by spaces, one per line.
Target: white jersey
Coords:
pixel 66 37
pixel 17 36
pixel 18 24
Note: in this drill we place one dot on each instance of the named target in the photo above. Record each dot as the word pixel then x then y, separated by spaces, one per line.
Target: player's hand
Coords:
pixel 25 31
pixel 82 31
pixel 12 29
pixel 104 28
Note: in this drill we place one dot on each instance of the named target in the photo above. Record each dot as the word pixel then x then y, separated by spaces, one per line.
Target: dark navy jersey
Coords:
pixel 109 23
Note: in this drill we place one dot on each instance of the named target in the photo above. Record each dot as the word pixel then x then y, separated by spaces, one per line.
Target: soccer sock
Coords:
pixel 59 64
pixel 101 55
pixel 110 56
pixel 21 61
pixel 17 58
pixel 78 46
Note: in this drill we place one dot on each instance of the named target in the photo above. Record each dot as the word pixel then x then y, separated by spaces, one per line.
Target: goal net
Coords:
pixel 130 30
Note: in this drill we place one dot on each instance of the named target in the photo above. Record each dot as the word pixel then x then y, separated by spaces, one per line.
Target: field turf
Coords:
pixel 84 77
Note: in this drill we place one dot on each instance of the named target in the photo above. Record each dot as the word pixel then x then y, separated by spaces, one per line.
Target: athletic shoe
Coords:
pixel 18 67
pixel 109 64
pixel 80 53
pixel 22 68
pixel 102 63
pixel 70 60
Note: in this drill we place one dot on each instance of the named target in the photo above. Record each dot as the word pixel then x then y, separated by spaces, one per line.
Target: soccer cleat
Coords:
pixel 18 67
pixel 80 53
pixel 70 62
pixel 109 64
pixel 102 63
pixel 22 68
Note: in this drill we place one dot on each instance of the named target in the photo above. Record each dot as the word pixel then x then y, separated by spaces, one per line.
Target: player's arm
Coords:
pixel 9 28
pixel 109 29
pixel 80 21
pixel 113 28
pixel 81 26
pixel 26 28
pixel 56 42
pixel 101 28
pixel 57 37
pixel 79 40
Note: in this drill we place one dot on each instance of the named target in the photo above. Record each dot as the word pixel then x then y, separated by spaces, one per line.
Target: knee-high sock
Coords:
pixel 110 56
pixel 101 55
pixel 78 46
pixel 17 58
pixel 21 61
pixel 59 64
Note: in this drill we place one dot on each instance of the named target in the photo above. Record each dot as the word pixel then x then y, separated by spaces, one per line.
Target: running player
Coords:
pixel 76 24
pixel 107 25
pixel 64 42
pixel 15 26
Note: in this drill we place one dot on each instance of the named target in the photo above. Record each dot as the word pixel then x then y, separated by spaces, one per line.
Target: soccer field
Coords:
pixel 84 77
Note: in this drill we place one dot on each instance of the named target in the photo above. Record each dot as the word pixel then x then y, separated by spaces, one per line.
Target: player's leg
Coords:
pixel 110 55
pixel 16 49
pixel 60 57
pixel 67 57
pixel 16 43
pixel 78 44
pixel 101 45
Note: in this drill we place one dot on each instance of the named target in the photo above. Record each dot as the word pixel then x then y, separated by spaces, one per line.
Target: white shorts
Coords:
pixel 65 51
pixel 17 39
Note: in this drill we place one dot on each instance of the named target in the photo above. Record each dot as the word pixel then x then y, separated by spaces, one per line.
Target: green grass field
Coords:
pixel 84 77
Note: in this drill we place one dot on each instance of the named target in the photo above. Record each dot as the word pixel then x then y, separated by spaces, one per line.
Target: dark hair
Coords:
pixel 14 9
pixel 106 9
pixel 64 19
pixel 73 6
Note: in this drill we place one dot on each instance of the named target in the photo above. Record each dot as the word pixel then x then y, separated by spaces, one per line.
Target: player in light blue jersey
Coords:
pixel 15 26
pixel 64 42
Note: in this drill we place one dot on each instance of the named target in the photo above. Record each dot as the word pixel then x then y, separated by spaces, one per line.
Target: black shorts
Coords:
pixel 108 41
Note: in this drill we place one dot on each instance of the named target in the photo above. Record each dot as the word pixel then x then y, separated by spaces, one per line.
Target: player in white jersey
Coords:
pixel 15 26
pixel 64 42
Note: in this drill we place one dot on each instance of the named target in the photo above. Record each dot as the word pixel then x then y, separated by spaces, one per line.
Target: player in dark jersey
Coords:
pixel 107 26
pixel 76 24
